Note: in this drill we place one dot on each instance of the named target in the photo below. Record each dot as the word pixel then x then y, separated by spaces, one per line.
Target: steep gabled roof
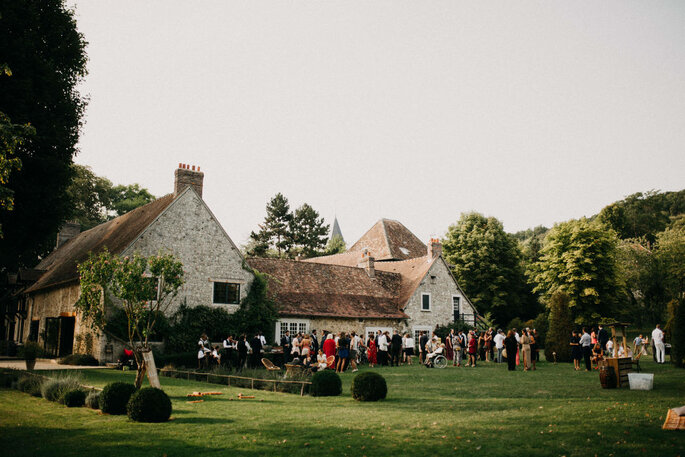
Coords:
pixel 412 272
pixel 311 289
pixel 390 240
pixel 115 235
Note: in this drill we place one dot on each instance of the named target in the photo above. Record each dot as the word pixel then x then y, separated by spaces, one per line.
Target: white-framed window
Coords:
pixel 372 331
pixel 292 325
pixel 425 301
pixel 416 331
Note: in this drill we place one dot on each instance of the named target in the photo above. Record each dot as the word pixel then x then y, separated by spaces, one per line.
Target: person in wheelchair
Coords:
pixel 439 350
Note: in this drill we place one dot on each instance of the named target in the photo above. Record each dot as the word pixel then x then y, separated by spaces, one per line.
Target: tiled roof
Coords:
pixel 115 235
pixel 311 289
pixel 390 240
pixel 412 272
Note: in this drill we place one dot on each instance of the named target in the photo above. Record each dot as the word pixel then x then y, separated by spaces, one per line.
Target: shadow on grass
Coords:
pixel 199 420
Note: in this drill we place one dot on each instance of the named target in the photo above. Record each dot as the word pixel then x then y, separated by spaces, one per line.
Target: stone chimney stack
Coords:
pixel 68 231
pixel 186 176
pixel 434 248
pixel 367 263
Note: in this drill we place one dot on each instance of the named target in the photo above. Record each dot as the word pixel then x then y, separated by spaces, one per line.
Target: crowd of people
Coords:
pixel 342 350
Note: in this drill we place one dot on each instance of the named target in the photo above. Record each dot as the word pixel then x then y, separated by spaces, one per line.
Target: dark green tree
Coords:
pixel 488 265
pixel 308 231
pixel 579 258
pixel 258 311
pixel 560 327
pixel 11 137
pixel 95 200
pixel 274 232
pixel 46 54
pixel 335 245
pixel 671 252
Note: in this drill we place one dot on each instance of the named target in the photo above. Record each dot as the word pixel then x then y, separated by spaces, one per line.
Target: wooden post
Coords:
pixel 302 391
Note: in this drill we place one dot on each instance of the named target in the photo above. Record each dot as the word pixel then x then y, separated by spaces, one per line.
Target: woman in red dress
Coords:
pixel 371 352
pixel 329 346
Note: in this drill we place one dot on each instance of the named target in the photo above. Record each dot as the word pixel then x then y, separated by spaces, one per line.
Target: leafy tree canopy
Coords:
pixel 46 54
pixel 579 259
pixel 11 137
pixel 95 200
pixel 488 265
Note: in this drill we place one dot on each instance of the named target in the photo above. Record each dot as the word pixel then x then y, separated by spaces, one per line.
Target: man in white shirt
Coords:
pixel 610 349
pixel 586 346
pixel 262 339
pixel 499 344
pixel 658 339
pixel 383 349
pixel 517 336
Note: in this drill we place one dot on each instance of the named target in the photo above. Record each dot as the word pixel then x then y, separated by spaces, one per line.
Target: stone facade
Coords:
pixel 359 326
pixel 188 229
pixel 442 288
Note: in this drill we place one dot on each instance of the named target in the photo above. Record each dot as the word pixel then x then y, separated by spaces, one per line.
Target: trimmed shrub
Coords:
pixel 149 405
pixel 8 377
pixel 53 389
pixel 79 359
pixel 326 383
pixel 560 327
pixel 93 399
pixel 30 385
pixel 369 386
pixel 115 396
pixel 74 398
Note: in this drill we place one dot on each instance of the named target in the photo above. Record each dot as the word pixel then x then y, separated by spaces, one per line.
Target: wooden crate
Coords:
pixel 622 366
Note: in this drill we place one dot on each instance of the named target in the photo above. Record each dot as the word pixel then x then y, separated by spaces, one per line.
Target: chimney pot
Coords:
pixel 434 248
pixel 185 177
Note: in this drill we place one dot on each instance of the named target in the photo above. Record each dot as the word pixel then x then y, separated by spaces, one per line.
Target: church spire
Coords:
pixel 336 229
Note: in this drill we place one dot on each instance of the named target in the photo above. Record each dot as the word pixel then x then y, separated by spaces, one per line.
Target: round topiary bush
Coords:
pixel 31 385
pixel 74 398
pixel 369 386
pixel 115 396
pixel 326 383
pixel 149 405
pixel 93 399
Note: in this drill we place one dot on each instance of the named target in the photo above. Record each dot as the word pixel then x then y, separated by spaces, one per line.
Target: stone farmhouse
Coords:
pixel 180 223
pixel 388 279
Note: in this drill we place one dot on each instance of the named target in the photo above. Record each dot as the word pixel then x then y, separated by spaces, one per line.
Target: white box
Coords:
pixel 641 381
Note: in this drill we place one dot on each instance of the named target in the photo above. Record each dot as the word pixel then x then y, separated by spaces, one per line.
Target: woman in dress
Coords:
pixel 408 348
pixel 473 351
pixel 487 339
pixel 371 351
pixel 576 351
pixel 343 352
pixel 321 360
pixel 525 350
pixel 481 346
pixel 511 346
pixel 449 350
pixel 329 346
pixel 296 346
pixel 305 346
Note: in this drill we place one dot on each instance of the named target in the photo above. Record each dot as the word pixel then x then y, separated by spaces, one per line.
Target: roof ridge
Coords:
pixel 387 241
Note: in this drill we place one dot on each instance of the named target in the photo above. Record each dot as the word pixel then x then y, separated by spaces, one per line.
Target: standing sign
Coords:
pixel 151 369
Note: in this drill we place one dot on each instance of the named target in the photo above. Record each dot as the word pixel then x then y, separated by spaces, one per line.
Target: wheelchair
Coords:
pixel 439 361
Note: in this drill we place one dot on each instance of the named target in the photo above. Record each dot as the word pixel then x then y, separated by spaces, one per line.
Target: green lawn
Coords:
pixel 482 411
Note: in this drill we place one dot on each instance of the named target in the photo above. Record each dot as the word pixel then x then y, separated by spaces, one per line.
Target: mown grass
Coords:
pixel 481 411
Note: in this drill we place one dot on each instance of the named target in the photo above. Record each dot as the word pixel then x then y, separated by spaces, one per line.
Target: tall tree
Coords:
pixel 308 231
pixel 579 258
pixel 560 326
pixel 488 265
pixel 275 230
pixel 671 252
pixel 46 54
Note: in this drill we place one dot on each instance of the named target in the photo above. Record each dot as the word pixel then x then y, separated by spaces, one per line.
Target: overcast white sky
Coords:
pixel 532 112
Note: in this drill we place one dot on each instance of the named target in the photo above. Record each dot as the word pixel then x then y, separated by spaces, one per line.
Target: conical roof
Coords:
pixel 336 230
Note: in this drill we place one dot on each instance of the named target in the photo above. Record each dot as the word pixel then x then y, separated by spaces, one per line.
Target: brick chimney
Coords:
pixel 185 176
pixel 367 263
pixel 434 248
pixel 68 231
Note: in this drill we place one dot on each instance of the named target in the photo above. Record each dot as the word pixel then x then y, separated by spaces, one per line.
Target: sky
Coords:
pixel 531 112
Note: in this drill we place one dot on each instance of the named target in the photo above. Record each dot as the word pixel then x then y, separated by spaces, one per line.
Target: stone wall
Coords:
pixel 441 286
pixel 189 230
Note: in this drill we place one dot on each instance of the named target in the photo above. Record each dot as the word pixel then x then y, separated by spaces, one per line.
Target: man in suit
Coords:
pixel 395 349
pixel 602 337
pixel 256 350
pixel 287 346
pixel 423 341
pixel 315 343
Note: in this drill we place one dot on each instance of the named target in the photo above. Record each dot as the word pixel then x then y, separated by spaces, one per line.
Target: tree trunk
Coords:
pixel 140 375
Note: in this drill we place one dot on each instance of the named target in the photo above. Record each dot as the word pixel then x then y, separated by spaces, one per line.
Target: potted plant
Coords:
pixel 29 351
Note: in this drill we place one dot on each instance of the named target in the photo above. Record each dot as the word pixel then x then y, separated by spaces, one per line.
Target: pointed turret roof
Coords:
pixel 336 230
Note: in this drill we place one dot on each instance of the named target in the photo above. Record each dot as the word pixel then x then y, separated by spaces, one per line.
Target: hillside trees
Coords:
pixel 488 265
pixel 46 54
pixel 94 199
